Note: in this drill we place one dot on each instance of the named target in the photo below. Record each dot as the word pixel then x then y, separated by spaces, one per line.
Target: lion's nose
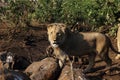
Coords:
pixel 55 41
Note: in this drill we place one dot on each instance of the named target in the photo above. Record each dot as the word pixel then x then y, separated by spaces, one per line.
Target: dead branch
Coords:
pixel 111 67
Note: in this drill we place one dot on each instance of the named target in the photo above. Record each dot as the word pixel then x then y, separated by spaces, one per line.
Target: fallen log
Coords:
pixel 111 67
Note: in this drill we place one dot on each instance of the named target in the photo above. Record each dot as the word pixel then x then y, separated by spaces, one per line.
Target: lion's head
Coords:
pixel 56 34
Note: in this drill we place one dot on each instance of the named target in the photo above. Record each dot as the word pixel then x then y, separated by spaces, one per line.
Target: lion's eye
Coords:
pixel 59 34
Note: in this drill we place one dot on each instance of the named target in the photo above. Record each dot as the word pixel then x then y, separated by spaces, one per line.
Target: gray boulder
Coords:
pixel 46 69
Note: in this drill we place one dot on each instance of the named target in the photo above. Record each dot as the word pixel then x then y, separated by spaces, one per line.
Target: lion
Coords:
pixel 118 42
pixel 66 42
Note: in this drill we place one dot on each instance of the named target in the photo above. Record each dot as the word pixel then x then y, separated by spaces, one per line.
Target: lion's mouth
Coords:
pixel 55 44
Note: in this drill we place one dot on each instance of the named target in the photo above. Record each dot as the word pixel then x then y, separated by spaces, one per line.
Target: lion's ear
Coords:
pixel 67 30
pixel 49 25
pixel 63 25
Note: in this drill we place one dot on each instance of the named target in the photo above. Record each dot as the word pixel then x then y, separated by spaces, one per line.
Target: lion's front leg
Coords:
pixel 61 55
pixel 62 60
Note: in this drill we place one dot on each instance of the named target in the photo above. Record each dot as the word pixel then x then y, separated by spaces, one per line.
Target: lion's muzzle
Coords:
pixel 55 43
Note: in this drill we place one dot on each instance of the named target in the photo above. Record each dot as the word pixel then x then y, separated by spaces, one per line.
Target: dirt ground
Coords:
pixel 33 43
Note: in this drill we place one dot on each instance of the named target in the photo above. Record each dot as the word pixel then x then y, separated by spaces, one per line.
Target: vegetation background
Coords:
pixel 97 15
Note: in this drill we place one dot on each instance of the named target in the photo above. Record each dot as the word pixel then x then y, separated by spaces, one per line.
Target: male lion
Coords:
pixel 66 42
pixel 118 42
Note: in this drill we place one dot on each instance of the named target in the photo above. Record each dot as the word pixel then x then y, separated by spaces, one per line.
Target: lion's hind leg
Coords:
pixel 91 62
pixel 105 57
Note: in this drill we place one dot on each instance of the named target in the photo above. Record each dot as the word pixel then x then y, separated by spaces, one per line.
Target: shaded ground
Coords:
pixel 32 45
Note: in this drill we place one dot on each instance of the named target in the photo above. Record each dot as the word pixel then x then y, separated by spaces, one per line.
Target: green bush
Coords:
pixel 95 13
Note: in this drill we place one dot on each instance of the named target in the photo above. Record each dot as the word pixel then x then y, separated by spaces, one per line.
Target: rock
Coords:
pixel 46 69
pixel 66 74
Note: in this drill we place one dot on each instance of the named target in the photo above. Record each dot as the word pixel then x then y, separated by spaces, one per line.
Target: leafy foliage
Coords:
pixel 94 13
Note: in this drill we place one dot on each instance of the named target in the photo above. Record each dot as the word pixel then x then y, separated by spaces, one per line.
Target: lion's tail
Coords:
pixel 111 46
